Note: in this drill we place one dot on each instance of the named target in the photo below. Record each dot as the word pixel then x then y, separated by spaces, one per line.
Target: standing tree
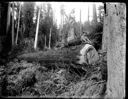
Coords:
pixel 94 13
pixel 8 18
pixel 12 23
pixel 28 14
pixel 47 27
pixel 68 27
pixel 50 15
pixel 80 23
pixel 50 38
pixel 45 42
pixel 62 12
pixel 101 13
pixel 88 13
pixel 116 49
pixel 37 29
pixel 5 28
pixel 18 23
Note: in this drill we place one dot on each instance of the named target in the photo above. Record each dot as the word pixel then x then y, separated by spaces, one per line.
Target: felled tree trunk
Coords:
pixel 80 54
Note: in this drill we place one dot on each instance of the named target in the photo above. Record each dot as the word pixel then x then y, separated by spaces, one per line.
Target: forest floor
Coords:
pixel 23 78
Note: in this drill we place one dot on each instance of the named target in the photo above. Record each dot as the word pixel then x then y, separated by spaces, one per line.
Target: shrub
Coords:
pixel 25 46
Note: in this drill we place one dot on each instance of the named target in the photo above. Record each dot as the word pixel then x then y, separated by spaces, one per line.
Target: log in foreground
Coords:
pixel 80 54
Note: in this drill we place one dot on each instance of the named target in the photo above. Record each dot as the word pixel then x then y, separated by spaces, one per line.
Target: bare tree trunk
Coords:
pixel 116 50
pixel 18 25
pixel 88 13
pixel 94 14
pixel 8 19
pixel 45 42
pixel 50 38
pixel 37 29
pixel 80 24
pixel 13 24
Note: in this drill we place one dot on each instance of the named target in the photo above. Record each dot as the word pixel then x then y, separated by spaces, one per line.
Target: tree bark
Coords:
pixel 88 14
pixel 37 29
pixel 94 14
pixel 8 19
pixel 12 24
pixel 50 38
pixel 105 30
pixel 80 24
pixel 105 34
pixel 70 34
pixel 18 25
pixel 45 42
pixel 116 50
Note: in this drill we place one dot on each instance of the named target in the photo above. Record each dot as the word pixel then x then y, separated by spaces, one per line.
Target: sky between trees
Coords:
pixel 68 6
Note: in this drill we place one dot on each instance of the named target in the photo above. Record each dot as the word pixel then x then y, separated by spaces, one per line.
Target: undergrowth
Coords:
pixel 26 79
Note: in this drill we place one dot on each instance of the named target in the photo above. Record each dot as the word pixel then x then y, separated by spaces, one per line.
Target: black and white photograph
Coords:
pixel 62 49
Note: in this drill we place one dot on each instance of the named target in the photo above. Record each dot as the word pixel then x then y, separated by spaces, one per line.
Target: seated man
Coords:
pixel 85 39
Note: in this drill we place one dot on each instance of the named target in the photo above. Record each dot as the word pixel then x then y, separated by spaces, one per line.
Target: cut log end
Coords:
pixel 88 55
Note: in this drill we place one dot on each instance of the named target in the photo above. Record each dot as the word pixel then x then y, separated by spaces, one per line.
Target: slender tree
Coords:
pixel 28 14
pixel 45 42
pixel 37 29
pixel 50 38
pixel 18 24
pixel 12 23
pixel 88 14
pixel 8 18
pixel 94 13
pixel 62 22
pixel 101 13
pixel 80 23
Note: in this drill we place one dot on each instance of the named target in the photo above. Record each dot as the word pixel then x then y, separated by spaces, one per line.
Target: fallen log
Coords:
pixel 80 54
